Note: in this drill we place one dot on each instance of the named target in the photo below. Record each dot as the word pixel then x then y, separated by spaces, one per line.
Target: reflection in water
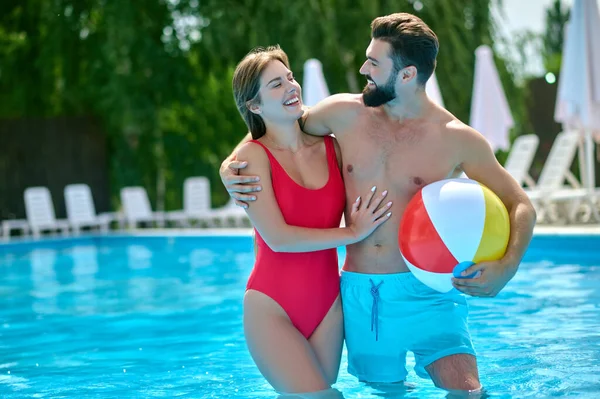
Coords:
pixel 201 258
pixel 85 268
pixel 85 263
pixel 139 257
pixel 140 288
pixel 43 278
pixel 140 293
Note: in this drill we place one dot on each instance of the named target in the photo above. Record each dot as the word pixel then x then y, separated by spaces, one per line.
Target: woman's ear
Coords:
pixel 253 107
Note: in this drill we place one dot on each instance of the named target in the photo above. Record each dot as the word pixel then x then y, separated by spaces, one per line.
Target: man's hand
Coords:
pixel 492 278
pixel 237 185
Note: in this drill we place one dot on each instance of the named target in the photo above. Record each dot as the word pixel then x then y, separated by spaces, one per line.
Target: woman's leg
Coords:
pixel 328 340
pixel 280 351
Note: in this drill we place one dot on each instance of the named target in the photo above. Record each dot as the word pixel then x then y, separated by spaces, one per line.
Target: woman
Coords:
pixel 292 310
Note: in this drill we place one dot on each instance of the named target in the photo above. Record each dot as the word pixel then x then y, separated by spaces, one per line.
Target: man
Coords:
pixel 394 136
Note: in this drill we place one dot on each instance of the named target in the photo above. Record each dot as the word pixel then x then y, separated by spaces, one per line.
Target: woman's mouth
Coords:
pixel 292 102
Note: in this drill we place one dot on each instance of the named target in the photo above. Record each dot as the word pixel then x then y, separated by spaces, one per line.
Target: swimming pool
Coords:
pixel 157 316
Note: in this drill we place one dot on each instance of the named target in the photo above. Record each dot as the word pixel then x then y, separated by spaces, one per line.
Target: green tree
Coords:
pixel 557 15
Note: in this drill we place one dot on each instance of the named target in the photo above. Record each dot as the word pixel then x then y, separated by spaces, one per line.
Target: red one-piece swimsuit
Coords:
pixel 304 284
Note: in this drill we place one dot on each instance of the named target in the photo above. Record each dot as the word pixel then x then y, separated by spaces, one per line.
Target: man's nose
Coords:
pixel 363 69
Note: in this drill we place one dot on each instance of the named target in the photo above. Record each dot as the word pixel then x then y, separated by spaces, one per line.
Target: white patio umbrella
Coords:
pixel 578 98
pixel 490 113
pixel 314 87
pixel 433 90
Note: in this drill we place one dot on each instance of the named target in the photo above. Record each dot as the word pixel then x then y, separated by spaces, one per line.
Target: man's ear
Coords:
pixel 407 74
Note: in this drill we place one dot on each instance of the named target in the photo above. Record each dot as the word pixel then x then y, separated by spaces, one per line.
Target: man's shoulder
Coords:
pixel 455 127
pixel 450 128
pixel 342 102
pixel 334 114
pixel 464 136
pixel 348 98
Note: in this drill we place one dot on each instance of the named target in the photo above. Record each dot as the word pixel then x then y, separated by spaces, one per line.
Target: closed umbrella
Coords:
pixel 433 90
pixel 578 98
pixel 314 87
pixel 490 113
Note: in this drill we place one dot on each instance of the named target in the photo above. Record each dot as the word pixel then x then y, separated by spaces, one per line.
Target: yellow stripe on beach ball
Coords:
pixel 494 239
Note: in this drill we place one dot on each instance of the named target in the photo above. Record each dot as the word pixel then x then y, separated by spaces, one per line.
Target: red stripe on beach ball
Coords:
pixel 420 243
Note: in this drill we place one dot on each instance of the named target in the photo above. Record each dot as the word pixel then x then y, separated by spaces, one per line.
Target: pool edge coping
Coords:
pixel 592 230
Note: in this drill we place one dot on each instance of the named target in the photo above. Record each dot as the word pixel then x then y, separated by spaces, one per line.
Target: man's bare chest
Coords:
pixel 405 161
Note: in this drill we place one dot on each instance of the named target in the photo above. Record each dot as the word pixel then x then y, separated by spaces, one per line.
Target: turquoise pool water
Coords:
pixel 129 317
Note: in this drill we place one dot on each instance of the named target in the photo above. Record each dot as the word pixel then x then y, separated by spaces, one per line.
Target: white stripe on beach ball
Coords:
pixel 456 208
pixel 441 282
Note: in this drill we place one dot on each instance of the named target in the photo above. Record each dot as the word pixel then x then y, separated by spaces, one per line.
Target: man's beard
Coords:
pixel 377 96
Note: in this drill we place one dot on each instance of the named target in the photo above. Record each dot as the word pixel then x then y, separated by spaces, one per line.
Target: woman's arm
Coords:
pixel 281 237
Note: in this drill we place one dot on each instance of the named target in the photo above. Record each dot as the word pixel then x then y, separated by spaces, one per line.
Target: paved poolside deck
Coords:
pixel 592 229
pixel 227 232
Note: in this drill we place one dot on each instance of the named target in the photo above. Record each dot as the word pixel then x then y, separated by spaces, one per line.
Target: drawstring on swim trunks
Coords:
pixel 375 308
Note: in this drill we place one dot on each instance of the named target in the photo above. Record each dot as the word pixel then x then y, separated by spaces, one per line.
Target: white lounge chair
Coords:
pixel 232 215
pixel 14 224
pixel 196 203
pixel 40 212
pixel 136 207
pixel 81 211
pixel 521 157
pixel 551 192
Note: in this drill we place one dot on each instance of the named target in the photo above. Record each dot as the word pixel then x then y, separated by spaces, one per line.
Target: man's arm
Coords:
pixel 480 164
pixel 239 187
pixel 331 115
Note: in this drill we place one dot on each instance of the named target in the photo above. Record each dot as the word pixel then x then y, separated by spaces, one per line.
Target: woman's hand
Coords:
pixel 366 216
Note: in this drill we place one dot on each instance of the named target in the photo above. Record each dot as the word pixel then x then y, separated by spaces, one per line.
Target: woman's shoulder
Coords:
pixel 258 163
pixel 252 151
pixel 252 148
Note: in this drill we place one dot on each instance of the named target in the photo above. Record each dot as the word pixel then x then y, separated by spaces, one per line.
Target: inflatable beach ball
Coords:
pixel 449 225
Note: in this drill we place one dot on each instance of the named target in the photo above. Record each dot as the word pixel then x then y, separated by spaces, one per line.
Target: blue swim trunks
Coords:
pixel 386 315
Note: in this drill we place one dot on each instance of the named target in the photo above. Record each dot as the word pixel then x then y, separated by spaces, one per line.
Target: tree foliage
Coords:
pixel 557 15
pixel 157 73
